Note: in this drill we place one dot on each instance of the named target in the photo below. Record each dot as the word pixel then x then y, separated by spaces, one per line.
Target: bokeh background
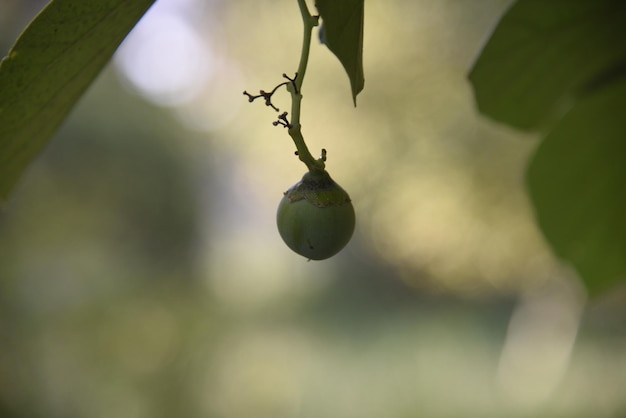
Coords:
pixel 141 273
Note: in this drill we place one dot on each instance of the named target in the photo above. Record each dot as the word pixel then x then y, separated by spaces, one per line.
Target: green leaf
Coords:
pixel 577 182
pixel 343 34
pixel 544 54
pixel 560 66
pixel 50 66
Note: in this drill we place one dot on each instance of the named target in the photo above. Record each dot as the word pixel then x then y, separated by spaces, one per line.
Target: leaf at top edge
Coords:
pixel 52 63
pixel 343 35
pixel 543 54
pixel 577 182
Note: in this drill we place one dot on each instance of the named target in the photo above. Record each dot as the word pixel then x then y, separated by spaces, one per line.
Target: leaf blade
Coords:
pixel 542 55
pixel 343 35
pixel 577 182
pixel 50 66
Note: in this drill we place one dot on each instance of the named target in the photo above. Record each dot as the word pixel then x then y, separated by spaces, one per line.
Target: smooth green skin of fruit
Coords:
pixel 315 217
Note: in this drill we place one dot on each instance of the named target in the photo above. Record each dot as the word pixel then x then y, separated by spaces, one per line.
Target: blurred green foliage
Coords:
pixel 559 67
pixel 52 63
pixel 577 180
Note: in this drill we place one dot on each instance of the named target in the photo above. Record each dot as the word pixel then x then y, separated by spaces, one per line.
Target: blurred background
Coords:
pixel 142 275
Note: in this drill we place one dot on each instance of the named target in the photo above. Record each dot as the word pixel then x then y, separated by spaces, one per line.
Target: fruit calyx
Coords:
pixel 319 189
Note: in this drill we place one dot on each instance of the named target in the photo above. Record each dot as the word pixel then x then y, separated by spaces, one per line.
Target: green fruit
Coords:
pixel 315 217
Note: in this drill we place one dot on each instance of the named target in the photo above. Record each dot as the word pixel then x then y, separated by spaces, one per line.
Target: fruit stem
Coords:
pixel 295 129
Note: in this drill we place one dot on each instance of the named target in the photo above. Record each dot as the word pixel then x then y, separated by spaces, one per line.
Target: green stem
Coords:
pixel 295 130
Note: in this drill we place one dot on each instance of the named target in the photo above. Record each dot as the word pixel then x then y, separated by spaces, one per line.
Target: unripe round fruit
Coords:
pixel 315 217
